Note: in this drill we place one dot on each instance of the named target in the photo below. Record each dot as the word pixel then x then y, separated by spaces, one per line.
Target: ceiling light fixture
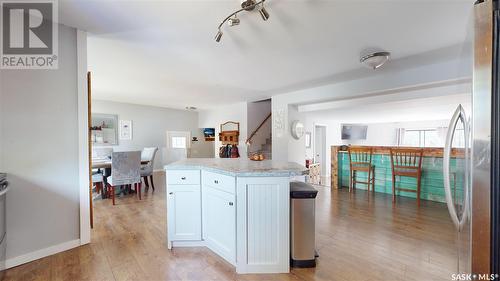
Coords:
pixel 375 60
pixel 232 19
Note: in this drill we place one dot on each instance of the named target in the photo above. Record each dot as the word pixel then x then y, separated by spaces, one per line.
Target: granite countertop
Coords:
pixel 241 167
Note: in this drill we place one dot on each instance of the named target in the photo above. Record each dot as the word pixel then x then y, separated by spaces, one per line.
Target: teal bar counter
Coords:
pixel 432 185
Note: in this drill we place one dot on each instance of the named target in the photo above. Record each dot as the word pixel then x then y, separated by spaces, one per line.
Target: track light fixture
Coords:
pixel 232 19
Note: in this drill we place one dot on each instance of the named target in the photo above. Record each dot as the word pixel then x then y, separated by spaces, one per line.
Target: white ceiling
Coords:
pixel 424 109
pixel 162 52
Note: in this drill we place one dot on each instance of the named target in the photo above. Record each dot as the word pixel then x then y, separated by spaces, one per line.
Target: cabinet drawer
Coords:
pixel 183 176
pixel 218 181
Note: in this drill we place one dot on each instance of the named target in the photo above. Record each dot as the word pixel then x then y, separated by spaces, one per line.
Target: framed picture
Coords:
pixel 125 129
pixel 308 139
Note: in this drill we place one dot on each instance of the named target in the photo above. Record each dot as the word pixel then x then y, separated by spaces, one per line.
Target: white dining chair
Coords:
pixel 97 181
pixel 148 154
pixel 125 170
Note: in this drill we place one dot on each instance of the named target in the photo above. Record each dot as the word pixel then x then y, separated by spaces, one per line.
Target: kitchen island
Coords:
pixel 238 208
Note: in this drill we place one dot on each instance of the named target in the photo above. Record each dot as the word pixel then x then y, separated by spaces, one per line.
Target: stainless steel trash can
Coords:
pixel 302 225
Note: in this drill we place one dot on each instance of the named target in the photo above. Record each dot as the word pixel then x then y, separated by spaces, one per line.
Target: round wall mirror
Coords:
pixel 297 129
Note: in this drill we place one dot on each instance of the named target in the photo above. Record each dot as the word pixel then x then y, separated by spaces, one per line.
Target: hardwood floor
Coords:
pixel 358 238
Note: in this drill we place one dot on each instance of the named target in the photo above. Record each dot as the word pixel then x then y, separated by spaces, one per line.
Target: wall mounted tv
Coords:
pixel 354 131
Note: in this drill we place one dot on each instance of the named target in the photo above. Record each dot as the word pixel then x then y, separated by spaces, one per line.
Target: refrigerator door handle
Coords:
pixel 459 115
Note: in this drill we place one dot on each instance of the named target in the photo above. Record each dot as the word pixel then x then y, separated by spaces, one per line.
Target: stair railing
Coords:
pixel 249 140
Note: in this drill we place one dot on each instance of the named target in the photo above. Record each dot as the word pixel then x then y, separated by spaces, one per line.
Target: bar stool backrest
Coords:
pixel 360 155
pixel 407 158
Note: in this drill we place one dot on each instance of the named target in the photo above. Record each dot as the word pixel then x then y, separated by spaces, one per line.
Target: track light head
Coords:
pixel 233 21
pixel 218 36
pixel 263 13
pixel 248 4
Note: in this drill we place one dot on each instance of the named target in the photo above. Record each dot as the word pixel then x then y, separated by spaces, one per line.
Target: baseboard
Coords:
pixel 42 253
pixel 189 244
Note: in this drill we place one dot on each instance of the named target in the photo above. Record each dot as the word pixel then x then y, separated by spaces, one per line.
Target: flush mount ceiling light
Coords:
pixel 232 19
pixel 190 108
pixel 375 60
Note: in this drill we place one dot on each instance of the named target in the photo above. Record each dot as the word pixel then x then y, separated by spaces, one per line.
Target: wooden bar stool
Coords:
pixel 360 159
pixel 406 162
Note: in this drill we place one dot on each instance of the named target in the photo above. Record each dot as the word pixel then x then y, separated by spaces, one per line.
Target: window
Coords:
pixel 458 139
pixel 410 138
pixel 178 142
pixel 421 138
pixel 429 137
pixel 432 139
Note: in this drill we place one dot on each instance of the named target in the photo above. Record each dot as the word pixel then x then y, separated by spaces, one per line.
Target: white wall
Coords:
pixel 39 144
pixel 214 117
pixel 149 125
pixel 296 148
pixel 201 148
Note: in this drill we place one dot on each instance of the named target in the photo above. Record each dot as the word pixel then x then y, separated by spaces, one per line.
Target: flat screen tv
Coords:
pixel 354 131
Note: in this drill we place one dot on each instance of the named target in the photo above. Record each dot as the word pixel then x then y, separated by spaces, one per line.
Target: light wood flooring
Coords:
pixel 359 237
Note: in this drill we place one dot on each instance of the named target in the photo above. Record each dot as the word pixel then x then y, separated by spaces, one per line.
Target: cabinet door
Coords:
pixel 219 223
pixel 184 212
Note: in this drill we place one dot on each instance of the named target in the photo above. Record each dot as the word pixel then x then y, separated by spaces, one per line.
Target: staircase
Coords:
pixel 267 148
pixel 260 141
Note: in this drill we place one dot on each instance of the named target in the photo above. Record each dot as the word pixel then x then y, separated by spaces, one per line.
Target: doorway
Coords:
pixel 320 149
pixel 178 145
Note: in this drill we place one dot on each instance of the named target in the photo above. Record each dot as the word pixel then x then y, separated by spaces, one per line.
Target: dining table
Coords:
pixel 105 163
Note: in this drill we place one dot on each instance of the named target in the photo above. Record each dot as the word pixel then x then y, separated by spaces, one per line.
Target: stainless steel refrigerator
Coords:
pixel 474 207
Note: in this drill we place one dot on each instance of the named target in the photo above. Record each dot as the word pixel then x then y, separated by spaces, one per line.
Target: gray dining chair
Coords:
pixel 148 153
pixel 125 170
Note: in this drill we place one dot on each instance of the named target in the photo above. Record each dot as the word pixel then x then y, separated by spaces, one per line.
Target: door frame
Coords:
pixel 324 170
pixel 83 137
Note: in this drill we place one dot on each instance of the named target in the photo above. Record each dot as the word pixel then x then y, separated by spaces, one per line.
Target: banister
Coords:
pixel 248 141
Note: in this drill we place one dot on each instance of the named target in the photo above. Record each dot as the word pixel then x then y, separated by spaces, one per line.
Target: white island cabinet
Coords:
pixel 184 205
pixel 237 208
pixel 219 214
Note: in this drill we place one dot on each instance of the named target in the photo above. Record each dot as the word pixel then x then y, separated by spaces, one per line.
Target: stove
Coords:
pixel 3 181
pixel 3 229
